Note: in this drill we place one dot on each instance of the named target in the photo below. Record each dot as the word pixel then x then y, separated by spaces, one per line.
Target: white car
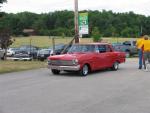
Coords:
pixel 11 51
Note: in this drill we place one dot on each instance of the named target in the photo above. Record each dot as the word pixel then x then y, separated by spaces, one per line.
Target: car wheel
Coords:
pixel 84 71
pixel 55 72
pixel 115 66
pixel 2 58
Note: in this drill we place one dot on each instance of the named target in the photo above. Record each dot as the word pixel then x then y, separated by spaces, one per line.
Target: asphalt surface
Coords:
pixel 38 91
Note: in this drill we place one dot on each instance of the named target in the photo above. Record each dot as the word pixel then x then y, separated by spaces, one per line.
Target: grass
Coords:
pixel 14 66
pixel 39 41
pixel 45 41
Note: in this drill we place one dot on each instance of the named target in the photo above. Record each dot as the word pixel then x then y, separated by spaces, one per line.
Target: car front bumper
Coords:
pixel 67 68
pixel 22 59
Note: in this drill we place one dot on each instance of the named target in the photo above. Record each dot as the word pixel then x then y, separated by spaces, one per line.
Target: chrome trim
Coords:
pixel 62 62
pixel 68 68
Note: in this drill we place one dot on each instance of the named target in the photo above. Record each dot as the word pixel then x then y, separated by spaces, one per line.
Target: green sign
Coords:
pixel 83 23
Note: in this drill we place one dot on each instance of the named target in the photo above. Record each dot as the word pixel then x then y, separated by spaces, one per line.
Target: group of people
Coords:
pixel 143 45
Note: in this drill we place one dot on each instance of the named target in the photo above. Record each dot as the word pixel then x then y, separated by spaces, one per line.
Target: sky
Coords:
pixel 45 6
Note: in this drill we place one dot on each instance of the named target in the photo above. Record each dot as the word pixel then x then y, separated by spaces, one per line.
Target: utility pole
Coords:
pixel 76 22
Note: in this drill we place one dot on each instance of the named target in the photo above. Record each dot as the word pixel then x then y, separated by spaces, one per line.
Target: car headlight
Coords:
pixel 75 61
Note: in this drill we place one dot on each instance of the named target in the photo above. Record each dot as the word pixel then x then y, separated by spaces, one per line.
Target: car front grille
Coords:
pixel 62 62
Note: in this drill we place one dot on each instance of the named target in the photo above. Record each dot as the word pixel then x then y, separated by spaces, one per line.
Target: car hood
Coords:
pixel 69 56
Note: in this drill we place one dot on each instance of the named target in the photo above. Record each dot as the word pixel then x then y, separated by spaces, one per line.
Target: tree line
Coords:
pixel 60 23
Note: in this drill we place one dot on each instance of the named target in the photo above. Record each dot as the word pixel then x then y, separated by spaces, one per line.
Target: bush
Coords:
pixel 96 35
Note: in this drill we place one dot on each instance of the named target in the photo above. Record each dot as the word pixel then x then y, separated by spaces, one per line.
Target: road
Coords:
pixel 38 91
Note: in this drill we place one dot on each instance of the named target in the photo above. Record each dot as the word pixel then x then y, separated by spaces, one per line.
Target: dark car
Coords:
pixel 31 50
pixel 43 54
pixel 22 56
pixel 59 48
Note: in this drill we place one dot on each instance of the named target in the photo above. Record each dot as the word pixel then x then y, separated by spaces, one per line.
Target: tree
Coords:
pixel 127 32
pixel 96 35
pixel 55 23
pixel 5 39
pixel 1 2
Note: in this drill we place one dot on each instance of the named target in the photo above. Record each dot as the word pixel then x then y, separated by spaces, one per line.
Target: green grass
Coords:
pixel 39 41
pixel 45 41
pixel 14 66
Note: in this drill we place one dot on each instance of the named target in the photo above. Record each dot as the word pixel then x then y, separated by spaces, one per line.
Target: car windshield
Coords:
pixel 81 48
pixel 44 51
pixel 59 47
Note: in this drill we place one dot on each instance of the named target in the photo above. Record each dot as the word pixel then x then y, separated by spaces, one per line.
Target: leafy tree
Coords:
pixel 1 1
pixel 110 31
pixel 127 32
pixel 58 22
pixel 96 35
pixel 5 39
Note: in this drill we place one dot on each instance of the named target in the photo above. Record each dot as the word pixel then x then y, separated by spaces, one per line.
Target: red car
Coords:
pixel 85 58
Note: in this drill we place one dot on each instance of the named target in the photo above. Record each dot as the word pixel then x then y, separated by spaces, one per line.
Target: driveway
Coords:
pixel 38 91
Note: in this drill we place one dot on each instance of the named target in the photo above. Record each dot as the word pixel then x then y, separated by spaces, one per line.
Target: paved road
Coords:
pixel 38 91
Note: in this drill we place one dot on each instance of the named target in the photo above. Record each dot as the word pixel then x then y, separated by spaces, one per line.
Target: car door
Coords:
pixel 110 56
pixel 102 57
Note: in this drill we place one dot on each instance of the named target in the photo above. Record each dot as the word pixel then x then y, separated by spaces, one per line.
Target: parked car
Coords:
pixel 120 47
pixel 43 54
pixel 2 54
pixel 12 51
pixel 130 48
pixel 85 58
pixel 59 49
pixel 22 56
pixel 31 50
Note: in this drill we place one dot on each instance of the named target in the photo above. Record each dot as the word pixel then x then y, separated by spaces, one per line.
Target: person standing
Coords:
pixel 140 53
pixel 146 50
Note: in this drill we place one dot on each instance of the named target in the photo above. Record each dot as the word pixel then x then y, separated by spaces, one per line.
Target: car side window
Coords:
pixel 102 48
pixel 108 49
pixel 127 43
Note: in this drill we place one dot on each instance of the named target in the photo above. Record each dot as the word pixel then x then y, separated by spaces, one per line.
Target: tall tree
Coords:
pixel 5 39
pixel 2 1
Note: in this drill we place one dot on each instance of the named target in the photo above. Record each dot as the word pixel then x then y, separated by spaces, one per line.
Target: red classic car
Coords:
pixel 85 58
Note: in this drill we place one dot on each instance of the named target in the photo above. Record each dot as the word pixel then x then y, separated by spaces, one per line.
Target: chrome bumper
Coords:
pixel 67 68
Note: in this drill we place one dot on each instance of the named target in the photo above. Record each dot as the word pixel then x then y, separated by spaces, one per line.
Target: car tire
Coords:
pixel 55 72
pixel 115 66
pixel 84 71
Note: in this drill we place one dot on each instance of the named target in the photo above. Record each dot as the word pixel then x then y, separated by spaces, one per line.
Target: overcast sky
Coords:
pixel 44 6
